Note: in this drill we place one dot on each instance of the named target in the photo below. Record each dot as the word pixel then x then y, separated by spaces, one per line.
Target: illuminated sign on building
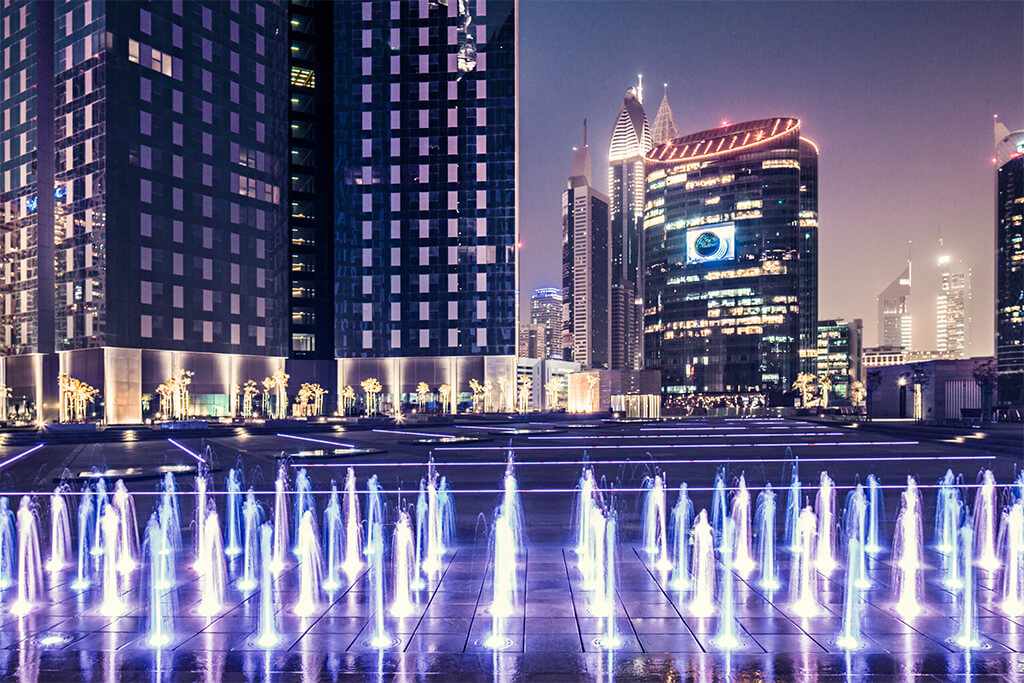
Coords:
pixel 711 243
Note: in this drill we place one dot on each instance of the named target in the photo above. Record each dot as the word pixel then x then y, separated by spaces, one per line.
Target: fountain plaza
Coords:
pixel 764 549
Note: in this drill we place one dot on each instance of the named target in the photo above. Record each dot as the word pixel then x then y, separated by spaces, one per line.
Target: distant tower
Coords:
pixel 586 289
pixel 951 307
pixel 631 139
pixel 664 128
pixel 894 322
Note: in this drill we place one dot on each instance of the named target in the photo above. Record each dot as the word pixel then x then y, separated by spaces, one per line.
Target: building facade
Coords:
pixel 895 327
pixel 731 238
pixel 840 348
pixel 631 138
pixel 1009 160
pixel 532 337
pixel 153 226
pixel 586 277
pixel 951 306
pixel 546 310
pixel 425 199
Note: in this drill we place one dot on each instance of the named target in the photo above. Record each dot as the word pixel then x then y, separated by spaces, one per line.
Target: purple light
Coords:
pixel 19 456
pixel 188 450
pixel 312 440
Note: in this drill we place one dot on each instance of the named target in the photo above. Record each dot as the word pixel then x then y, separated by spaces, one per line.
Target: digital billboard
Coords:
pixel 708 243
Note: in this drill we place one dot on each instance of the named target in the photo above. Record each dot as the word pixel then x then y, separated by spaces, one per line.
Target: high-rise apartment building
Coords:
pixel 586 277
pixel 951 304
pixel 840 348
pixel 894 322
pixel 1009 160
pixel 731 232
pixel 143 199
pixel 425 195
pixel 546 310
pixel 631 138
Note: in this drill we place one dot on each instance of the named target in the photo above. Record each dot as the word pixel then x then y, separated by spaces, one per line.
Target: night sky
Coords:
pixel 899 97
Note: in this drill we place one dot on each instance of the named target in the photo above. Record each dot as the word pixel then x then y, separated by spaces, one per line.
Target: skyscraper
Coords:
pixel 150 231
pixel 951 307
pixel 546 310
pixel 586 281
pixel 664 128
pixel 840 346
pixel 1009 159
pixel 894 321
pixel 631 138
pixel 425 195
pixel 731 228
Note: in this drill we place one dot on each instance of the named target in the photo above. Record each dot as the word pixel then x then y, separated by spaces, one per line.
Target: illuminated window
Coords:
pixel 303 342
pixel 302 77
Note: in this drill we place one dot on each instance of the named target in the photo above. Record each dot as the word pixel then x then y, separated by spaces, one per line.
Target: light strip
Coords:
pixel 188 450
pixel 754 435
pixel 19 456
pixel 403 432
pixel 684 445
pixel 306 438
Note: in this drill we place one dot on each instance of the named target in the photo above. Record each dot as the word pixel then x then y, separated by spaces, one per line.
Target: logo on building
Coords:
pixel 711 243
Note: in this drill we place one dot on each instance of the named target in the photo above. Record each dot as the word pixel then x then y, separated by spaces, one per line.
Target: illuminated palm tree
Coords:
pixel 372 387
pixel 551 388
pixel 805 383
pixel 249 390
pixel 445 391
pixel 348 399
pixel 478 391
pixel 524 394
pixel 502 393
pixel 422 389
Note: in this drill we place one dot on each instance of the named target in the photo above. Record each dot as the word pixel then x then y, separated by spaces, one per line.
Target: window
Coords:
pixel 303 342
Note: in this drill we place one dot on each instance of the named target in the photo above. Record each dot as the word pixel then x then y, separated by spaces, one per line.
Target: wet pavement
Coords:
pixel 552 636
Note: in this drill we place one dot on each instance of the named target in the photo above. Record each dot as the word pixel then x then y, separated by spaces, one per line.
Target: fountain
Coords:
pixel 948 510
pixel 876 517
pixel 60 530
pixel 310 566
pixel 380 638
pixel 303 501
pixel 741 556
pixel 112 605
pixel 682 522
pixel 267 635
pixel 610 639
pixel 99 503
pixel 233 543
pixel 727 637
pixel 200 521
pixel 803 585
pixel 402 558
pixel 654 523
pixel 85 516
pixel 765 523
pixel 30 563
pixel 170 513
pixel 985 523
pixel 504 575
pixel 512 506
pixel 334 533
pixel 353 528
pixel 433 524
pixel 128 534
pixel 584 509
pixel 280 520
pixel 1012 543
pixel 8 544
pixel 161 606
pixel 856 573
pixel 825 506
pixel 793 507
pixel 719 506
pixel 907 553
pixel 213 579
pixel 374 515
pixel 967 635
pixel 702 601
pixel 252 518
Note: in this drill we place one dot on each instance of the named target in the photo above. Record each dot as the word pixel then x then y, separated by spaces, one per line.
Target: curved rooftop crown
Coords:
pixel 723 140
pixel 631 136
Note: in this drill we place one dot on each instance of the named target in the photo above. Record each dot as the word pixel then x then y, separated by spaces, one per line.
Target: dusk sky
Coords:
pixel 899 97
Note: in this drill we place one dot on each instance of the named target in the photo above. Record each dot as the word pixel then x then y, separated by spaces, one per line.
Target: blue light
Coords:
pixel 60 193
pixel 31 203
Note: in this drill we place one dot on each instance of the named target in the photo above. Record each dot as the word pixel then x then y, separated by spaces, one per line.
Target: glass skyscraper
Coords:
pixel 143 193
pixel 895 326
pixel 731 233
pixel 425 201
pixel 1009 160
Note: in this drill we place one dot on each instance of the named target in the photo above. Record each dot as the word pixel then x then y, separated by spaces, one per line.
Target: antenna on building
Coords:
pixel 640 88
pixel 584 131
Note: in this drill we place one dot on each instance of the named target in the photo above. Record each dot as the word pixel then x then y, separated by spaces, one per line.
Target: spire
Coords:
pixel 580 174
pixel 664 128
pixel 640 87
pixel 631 136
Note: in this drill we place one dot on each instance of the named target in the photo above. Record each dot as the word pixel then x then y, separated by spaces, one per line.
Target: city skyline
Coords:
pixel 882 164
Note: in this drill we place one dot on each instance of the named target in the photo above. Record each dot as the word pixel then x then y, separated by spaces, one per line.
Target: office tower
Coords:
pixel 311 175
pixel 532 337
pixel 160 136
pixel 894 321
pixel 631 138
pixel 840 347
pixel 546 310
pixel 586 283
pixel 664 127
pixel 425 195
pixel 1009 161
pixel 731 259
pixel 951 307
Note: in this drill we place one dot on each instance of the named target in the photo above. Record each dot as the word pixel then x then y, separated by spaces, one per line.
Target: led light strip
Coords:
pixel 312 440
pixel 15 458
pixel 187 450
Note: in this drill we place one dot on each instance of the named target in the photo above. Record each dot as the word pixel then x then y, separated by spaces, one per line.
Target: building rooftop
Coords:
pixel 722 140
